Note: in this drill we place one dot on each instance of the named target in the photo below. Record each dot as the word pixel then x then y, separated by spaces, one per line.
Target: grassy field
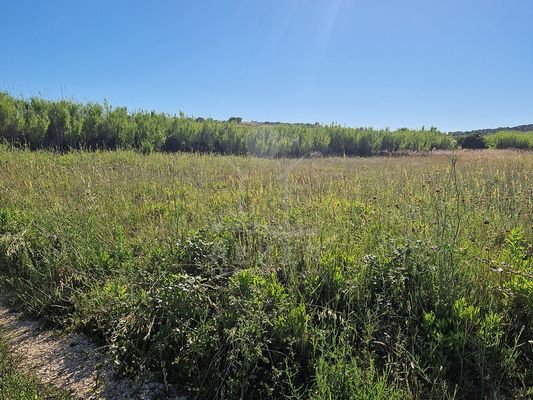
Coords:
pixel 240 277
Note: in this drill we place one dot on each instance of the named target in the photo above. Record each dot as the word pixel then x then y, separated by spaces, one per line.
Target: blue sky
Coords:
pixel 454 64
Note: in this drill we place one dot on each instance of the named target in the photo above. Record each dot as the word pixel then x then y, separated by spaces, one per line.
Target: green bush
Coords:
pixel 338 375
pixel 473 142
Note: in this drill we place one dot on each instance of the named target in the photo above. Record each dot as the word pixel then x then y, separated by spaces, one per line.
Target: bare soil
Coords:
pixel 73 363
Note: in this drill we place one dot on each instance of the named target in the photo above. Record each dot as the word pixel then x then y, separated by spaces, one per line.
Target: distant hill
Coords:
pixel 519 128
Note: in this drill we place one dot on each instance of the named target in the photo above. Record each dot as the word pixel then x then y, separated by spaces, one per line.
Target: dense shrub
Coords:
pixel 65 124
pixel 473 142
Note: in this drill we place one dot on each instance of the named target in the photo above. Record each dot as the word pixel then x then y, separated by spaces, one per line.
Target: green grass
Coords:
pixel 506 140
pixel 18 385
pixel 239 277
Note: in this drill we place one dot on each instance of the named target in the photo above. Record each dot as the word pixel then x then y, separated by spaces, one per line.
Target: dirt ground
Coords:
pixel 73 363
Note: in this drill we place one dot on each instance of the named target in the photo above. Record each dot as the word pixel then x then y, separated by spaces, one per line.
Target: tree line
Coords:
pixel 63 125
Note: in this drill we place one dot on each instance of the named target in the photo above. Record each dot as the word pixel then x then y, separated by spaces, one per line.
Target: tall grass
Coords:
pixel 512 140
pixel 240 277
pixel 65 125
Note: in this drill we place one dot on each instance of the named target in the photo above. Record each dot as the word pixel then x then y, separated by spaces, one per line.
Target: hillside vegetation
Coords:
pixel 518 128
pixel 241 277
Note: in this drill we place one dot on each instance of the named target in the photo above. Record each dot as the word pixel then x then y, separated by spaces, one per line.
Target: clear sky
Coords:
pixel 454 64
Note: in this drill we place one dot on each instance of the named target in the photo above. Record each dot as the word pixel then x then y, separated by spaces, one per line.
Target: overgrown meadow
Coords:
pixel 246 278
